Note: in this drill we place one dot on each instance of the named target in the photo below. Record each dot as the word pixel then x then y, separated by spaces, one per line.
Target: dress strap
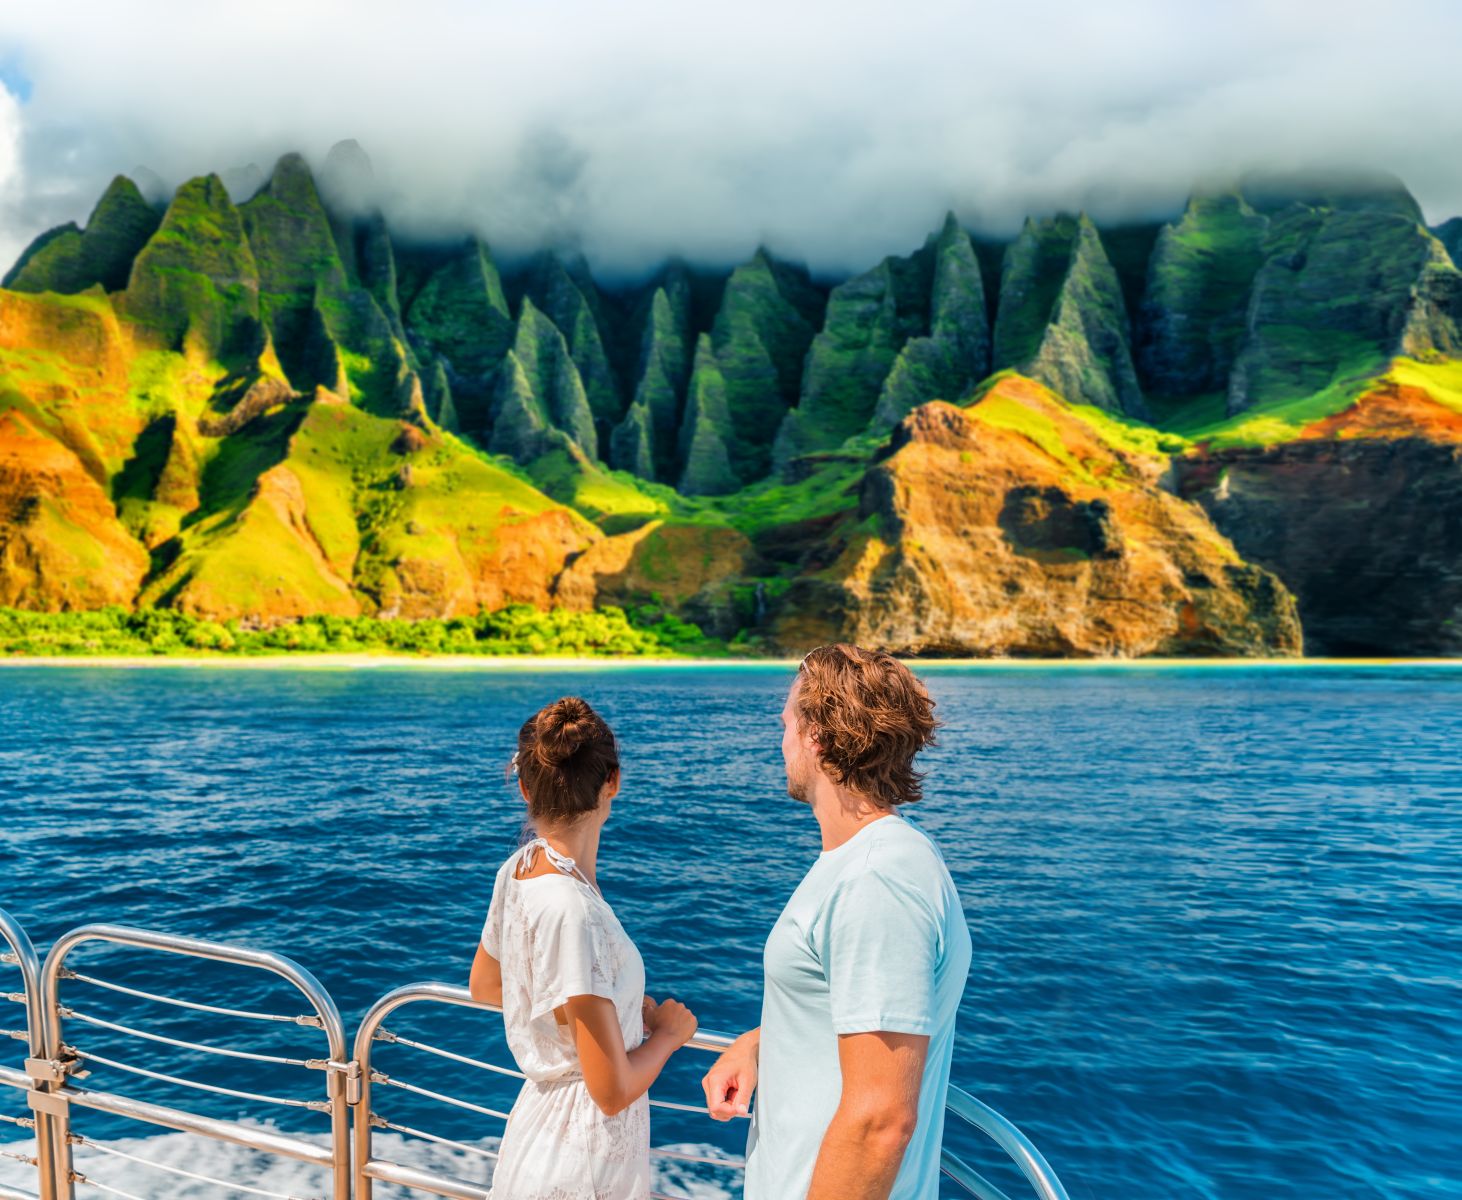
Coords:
pixel 561 863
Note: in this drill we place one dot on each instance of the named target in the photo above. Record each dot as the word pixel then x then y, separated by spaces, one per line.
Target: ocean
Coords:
pixel 1217 910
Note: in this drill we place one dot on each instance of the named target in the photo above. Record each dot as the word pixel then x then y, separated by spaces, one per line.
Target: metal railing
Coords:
pixel 1036 1169
pixel 63 1059
pixel 22 955
pixel 53 1065
pixel 369 1167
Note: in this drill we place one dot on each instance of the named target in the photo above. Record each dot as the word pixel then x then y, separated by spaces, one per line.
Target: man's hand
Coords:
pixel 732 1078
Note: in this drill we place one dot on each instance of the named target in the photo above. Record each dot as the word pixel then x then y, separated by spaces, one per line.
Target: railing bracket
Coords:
pixel 52 1104
pixel 46 1070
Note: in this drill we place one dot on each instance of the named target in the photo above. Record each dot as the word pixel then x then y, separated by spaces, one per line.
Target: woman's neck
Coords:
pixel 579 841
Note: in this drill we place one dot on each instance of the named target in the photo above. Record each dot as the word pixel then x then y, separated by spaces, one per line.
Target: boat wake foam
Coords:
pixel 148 1179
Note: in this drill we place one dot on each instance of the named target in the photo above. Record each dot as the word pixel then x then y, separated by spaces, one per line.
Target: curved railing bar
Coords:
pixel 968 1178
pixel 29 962
pixel 978 1114
pixel 365 1167
pixel 144 939
pixel 44 1037
pixel 51 1147
pixel 302 980
pixel 1010 1139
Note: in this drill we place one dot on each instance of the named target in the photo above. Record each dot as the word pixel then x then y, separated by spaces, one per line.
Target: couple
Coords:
pixel 864 967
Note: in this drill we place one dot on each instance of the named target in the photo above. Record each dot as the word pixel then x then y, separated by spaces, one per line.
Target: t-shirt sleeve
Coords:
pixel 570 954
pixel 878 941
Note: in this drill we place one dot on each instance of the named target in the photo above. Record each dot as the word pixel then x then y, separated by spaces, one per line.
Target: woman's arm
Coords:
pixel 615 1076
pixel 486 980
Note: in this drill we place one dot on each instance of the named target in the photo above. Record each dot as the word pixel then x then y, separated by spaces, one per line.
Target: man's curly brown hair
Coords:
pixel 869 716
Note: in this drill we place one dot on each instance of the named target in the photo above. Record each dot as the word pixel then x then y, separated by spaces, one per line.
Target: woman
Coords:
pixel 570 982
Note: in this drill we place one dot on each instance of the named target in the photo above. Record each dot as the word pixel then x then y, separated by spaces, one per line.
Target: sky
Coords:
pixel 833 133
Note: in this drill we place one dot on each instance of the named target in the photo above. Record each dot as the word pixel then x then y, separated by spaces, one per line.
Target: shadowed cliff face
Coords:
pixel 1362 519
pixel 1013 528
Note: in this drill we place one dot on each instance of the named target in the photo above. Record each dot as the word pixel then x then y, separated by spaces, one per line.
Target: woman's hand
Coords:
pixel 670 1019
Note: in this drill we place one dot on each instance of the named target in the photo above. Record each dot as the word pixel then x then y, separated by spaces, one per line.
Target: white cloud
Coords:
pixel 12 219
pixel 833 131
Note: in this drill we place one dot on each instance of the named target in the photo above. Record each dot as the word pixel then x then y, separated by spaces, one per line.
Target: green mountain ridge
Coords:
pixel 295 393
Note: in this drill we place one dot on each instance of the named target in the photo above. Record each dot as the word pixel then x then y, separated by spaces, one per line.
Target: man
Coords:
pixel 866 964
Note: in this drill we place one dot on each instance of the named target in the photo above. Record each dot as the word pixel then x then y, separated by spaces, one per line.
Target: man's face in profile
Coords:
pixel 797 751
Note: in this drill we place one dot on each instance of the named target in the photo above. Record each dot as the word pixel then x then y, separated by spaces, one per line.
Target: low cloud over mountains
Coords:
pixel 831 132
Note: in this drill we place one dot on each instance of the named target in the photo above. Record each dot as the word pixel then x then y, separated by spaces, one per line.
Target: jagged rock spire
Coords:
pixel 68 260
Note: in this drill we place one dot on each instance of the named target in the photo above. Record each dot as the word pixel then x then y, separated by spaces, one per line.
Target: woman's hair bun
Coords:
pixel 566 754
pixel 564 728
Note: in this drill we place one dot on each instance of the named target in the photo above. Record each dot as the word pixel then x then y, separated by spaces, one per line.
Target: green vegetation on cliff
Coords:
pixel 1062 317
pixel 561 297
pixel 1201 274
pixel 458 310
pixel 515 630
pixel 1340 292
pixel 72 260
pixel 769 313
pixel 196 279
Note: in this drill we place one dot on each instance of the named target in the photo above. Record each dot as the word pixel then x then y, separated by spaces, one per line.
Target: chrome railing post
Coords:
pixel 365 1038
pixel 52 1126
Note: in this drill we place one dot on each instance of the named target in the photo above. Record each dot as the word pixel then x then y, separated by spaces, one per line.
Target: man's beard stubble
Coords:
pixel 799 786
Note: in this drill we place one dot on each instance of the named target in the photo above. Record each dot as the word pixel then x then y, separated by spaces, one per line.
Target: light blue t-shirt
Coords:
pixel 872 940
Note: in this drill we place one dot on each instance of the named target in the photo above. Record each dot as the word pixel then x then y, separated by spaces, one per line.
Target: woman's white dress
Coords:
pixel 557 937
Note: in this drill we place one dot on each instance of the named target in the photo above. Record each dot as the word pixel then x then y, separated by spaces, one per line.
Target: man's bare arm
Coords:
pixel 865 1141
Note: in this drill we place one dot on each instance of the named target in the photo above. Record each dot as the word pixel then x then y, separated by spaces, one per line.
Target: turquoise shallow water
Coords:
pixel 1217 912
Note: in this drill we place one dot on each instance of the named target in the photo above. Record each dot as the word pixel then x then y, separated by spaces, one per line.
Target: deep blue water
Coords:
pixel 1217 912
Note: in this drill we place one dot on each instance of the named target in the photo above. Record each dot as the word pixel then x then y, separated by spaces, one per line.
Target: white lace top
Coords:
pixel 557 937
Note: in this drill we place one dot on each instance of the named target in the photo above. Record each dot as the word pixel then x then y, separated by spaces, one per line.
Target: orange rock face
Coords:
pixel 677 563
pixel 528 557
pixel 61 545
pixel 1390 411
pixel 1014 528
